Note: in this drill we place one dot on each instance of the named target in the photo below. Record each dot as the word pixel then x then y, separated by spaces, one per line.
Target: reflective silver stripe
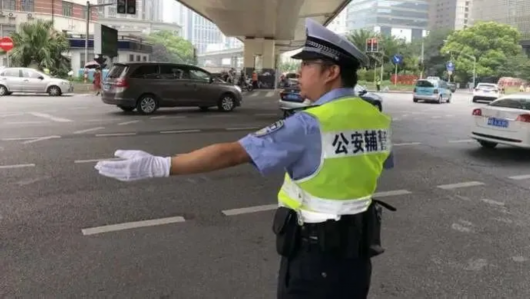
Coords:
pixel 356 142
pixel 323 205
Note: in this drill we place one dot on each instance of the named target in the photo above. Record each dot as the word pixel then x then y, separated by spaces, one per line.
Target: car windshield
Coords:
pixel 487 86
pixel 522 103
pixel 117 71
pixel 425 83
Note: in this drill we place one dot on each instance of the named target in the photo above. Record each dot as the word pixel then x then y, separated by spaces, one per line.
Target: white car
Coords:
pixel 27 80
pixel 504 121
pixel 486 92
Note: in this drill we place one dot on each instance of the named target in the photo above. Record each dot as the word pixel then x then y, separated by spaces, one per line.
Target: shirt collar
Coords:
pixel 334 94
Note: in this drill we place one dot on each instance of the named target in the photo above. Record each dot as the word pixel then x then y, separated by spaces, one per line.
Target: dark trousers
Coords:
pixel 311 274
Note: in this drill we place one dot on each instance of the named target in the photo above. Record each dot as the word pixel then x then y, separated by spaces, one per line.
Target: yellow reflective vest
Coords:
pixel 355 143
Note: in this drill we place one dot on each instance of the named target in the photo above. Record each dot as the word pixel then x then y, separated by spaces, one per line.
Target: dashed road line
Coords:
pixel 461 141
pixel 269 94
pixel 115 134
pixel 460 185
pixel 252 95
pixel 391 193
pixel 19 138
pixel 247 210
pixel 89 130
pixel 406 144
pixel 11 114
pixel 492 202
pixel 128 122
pixel 520 177
pixel 168 117
pixel 98 120
pixel 41 139
pixel 131 225
pixel 50 117
pixel 16 166
pixel 24 123
pixel 180 131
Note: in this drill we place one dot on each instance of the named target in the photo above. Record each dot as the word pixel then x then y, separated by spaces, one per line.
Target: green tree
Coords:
pixel 434 60
pixel 490 43
pixel 169 47
pixel 39 45
pixel 289 67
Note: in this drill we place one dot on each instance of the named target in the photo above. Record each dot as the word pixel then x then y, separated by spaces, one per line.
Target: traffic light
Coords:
pixel 121 7
pixel 101 61
pixel 372 45
pixel 126 7
pixel 131 7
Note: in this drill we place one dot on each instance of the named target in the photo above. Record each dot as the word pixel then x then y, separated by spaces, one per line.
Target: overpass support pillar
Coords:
pixel 260 56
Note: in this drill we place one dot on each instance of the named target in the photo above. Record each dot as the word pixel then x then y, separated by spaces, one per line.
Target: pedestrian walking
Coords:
pixel 327 224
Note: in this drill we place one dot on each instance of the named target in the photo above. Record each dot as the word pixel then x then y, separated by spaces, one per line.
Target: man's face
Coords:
pixel 315 76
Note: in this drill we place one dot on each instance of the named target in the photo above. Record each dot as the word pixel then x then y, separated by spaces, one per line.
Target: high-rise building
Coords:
pixel 450 14
pixel 339 24
pixel 512 12
pixel 203 34
pixel 406 19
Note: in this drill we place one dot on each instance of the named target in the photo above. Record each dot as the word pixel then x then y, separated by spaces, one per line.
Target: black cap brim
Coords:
pixel 305 55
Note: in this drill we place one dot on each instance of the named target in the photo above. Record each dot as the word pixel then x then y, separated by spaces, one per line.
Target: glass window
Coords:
pixel 11 73
pixel 68 9
pixel 424 83
pixel 168 71
pixel 146 72
pixel 31 74
pixel 117 71
pixel 515 103
pixel 9 4
pixel 199 75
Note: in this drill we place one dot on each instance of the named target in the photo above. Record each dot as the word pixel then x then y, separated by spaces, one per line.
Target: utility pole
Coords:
pixel 88 13
pixel 422 58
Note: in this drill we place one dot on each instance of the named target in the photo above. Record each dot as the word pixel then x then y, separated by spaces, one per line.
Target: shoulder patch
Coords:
pixel 269 129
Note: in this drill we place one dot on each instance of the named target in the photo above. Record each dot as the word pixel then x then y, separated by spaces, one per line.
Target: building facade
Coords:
pixel 405 19
pixel 512 12
pixel 339 24
pixel 450 14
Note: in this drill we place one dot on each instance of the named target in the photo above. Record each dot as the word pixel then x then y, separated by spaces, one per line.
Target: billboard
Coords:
pixel 105 40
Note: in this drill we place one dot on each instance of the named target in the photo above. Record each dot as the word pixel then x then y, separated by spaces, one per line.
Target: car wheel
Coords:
pixel 440 99
pixel 415 100
pixel 487 144
pixel 204 108
pixel 227 103
pixel 449 99
pixel 147 104
pixel 127 109
pixel 54 91
pixel 3 90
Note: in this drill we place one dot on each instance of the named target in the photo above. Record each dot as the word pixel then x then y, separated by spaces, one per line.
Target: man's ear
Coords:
pixel 333 73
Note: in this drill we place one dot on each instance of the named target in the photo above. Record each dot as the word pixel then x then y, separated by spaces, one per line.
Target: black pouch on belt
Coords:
pixel 287 231
pixel 372 227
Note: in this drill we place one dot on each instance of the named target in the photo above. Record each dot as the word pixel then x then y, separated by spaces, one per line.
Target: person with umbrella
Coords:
pixel 97 81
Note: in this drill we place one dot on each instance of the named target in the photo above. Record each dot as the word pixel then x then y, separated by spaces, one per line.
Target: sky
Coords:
pixel 169 8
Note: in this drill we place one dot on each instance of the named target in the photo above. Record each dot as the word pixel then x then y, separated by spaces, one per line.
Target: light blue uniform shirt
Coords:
pixel 295 146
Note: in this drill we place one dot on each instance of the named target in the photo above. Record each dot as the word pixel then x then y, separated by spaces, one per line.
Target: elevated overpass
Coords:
pixel 266 27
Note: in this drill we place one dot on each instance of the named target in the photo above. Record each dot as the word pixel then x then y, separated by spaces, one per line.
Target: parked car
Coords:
pixel 452 87
pixel 503 121
pixel 428 90
pixel 27 80
pixel 148 86
pixel 290 100
pixel 486 92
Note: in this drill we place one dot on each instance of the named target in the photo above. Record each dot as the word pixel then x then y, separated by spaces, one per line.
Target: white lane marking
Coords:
pixel 460 185
pixel 131 225
pixel 16 166
pixel 520 177
pixel 167 117
pixel 50 117
pixel 24 122
pixel 179 132
pixel 436 117
pixel 252 94
pixel 449 115
pixel 390 193
pixel 406 144
pixel 128 122
pixel 102 120
pixel 248 210
pixel 19 138
pixel 242 128
pixel 78 108
pixel 461 141
pixel 115 134
pixel 269 94
pixel 96 160
pixel 11 114
pixel 89 130
pixel 493 202
pixel 41 139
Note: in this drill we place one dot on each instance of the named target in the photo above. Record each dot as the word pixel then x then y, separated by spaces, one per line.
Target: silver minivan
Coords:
pixel 28 80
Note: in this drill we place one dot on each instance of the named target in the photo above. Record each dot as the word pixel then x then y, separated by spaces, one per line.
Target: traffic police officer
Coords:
pixel 332 155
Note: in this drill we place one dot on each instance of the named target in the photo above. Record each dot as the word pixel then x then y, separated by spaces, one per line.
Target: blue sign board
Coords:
pixel 397 59
pixel 450 66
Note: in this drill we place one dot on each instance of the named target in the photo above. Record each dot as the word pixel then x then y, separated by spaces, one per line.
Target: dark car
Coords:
pixel 452 87
pixel 291 101
pixel 147 86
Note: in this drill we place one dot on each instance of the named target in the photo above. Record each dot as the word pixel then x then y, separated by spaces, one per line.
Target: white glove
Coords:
pixel 137 165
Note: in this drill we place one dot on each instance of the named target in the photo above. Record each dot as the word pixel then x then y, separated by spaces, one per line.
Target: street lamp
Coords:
pixel 89 7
